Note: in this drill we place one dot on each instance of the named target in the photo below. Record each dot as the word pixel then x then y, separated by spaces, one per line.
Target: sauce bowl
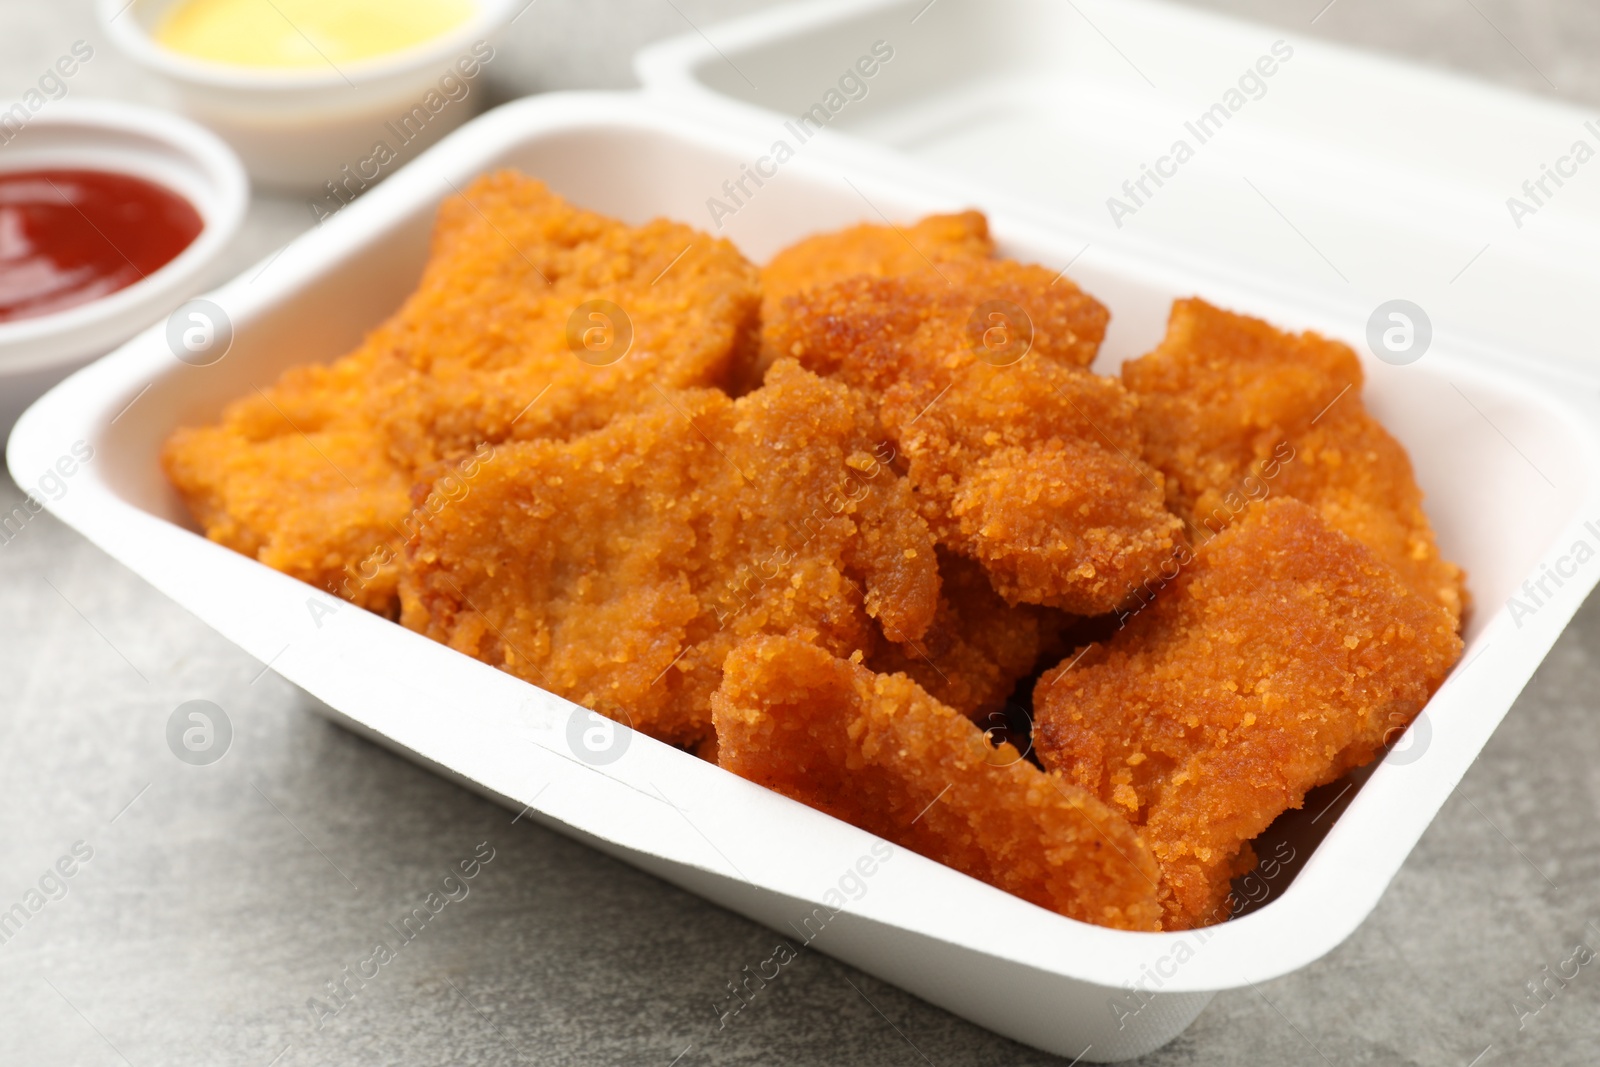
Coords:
pixel 306 129
pixel 35 353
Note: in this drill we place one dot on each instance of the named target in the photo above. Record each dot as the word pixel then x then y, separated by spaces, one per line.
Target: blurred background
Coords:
pixel 218 900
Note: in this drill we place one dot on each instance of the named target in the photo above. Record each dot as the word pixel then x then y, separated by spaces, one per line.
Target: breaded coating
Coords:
pixel 311 475
pixel 978 646
pixel 1034 471
pixel 1280 657
pixel 1030 467
pixel 878 752
pixel 878 250
pixel 876 331
pixel 619 568
pixel 297 477
pixel 1232 409
pixel 819 523
pixel 867 249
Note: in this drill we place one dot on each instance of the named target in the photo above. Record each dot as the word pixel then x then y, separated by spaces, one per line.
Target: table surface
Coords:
pixel 217 900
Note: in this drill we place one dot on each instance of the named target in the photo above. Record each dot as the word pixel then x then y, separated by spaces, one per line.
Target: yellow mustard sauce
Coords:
pixel 305 33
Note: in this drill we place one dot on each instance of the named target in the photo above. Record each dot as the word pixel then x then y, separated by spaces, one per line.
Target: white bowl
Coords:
pixel 297 129
pixel 35 353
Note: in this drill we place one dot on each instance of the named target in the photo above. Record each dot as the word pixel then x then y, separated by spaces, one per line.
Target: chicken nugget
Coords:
pixel 1233 409
pixel 867 249
pixel 876 250
pixel 505 329
pixel 502 340
pixel 977 648
pixel 1024 462
pixel 619 568
pixel 298 477
pixel 874 331
pixel 878 752
pixel 1282 655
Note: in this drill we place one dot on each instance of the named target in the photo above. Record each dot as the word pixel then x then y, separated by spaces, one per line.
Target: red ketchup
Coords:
pixel 71 236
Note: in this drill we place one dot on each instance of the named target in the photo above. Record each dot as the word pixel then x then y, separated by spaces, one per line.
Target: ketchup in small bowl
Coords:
pixel 71 236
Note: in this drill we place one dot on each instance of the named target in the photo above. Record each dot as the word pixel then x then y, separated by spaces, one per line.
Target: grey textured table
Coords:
pixel 217 900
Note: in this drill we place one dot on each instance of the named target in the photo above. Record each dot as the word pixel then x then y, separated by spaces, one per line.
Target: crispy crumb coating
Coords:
pixel 1230 404
pixel 978 646
pixel 311 475
pixel 756 580
pixel 870 249
pixel 1031 467
pixel 875 331
pixel 877 250
pixel 619 568
pixel 295 477
pixel 1283 655
pixel 877 751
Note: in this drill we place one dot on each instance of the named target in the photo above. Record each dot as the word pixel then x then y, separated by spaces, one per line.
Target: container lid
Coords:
pixel 1349 178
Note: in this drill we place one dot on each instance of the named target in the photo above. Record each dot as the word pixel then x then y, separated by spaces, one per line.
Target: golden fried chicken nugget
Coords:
pixel 878 752
pixel 298 478
pixel 1280 657
pixel 1022 461
pixel 506 309
pixel 867 249
pixel 513 333
pixel 877 250
pixel 876 329
pixel 619 568
pixel 1234 409
pixel 977 648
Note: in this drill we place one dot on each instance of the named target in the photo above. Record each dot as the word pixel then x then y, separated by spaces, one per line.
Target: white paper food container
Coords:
pixel 1510 461
pixel 1341 170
